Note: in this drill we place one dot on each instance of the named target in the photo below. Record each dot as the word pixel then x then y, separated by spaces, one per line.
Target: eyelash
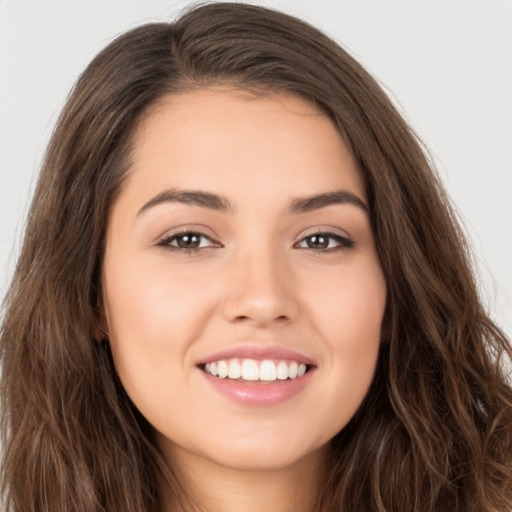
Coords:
pixel 344 242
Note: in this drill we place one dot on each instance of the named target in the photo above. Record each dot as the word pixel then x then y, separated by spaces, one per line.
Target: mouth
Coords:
pixel 264 371
pixel 256 375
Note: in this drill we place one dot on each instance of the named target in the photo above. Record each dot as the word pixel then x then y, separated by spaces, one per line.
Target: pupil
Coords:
pixel 318 242
pixel 188 241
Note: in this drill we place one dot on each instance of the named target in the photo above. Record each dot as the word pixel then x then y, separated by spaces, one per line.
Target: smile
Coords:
pixel 267 370
pixel 257 375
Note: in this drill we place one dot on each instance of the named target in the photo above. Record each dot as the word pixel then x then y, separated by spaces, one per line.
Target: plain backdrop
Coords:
pixel 445 63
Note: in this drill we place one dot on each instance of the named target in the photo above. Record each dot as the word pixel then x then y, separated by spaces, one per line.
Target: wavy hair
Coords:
pixel 434 432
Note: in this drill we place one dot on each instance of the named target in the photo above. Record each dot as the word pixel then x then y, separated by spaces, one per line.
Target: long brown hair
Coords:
pixel 435 430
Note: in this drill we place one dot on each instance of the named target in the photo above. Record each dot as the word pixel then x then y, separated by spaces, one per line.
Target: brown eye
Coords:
pixel 318 242
pixel 191 241
pixel 187 241
pixel 325 242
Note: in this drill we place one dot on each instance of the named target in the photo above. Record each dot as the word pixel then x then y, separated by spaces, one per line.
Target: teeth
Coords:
pixel 293 369
pixel 235 370
pixel 268 370
pixel 222 369
pixel 282 371
pixel 252 370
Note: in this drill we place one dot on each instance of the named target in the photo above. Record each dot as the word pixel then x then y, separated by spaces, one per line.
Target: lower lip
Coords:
pixel 259 394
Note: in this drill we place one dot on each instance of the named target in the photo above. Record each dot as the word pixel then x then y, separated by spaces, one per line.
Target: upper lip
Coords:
pixel 259 352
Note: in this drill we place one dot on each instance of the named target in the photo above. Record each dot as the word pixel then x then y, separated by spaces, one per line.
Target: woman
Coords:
pixel 242 288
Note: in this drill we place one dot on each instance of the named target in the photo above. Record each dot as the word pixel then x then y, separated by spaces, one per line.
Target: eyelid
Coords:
pixel 187 228
pixel 326 230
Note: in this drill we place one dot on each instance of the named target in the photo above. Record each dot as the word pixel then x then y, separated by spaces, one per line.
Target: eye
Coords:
pixel 187 241
pixel 326 242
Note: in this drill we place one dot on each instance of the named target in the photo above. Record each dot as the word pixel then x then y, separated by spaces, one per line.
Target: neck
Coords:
pixel 215 488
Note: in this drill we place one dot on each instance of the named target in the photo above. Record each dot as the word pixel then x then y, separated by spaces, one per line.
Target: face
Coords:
pixel 241 245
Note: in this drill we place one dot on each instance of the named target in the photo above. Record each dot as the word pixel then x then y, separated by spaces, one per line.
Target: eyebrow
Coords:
pixel 315 202
pixel 190 198
pixel 220 203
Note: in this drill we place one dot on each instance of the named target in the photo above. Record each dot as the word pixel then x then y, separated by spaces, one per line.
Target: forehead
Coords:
pixel 234 143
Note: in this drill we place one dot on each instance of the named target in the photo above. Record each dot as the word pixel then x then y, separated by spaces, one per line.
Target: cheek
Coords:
pixel 348 315
pixel 349 305
pixel 154 316
pixel 154 304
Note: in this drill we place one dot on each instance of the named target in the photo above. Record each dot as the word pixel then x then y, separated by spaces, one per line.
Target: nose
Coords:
pixel 260 289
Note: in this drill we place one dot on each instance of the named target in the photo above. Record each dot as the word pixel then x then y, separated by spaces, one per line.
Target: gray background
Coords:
pixel 445 63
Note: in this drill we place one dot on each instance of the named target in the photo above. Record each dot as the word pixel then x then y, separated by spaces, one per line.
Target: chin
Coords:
pixel 262 450
pixel 264 459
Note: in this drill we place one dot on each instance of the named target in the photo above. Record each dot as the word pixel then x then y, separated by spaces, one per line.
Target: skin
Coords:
pixel 254 278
